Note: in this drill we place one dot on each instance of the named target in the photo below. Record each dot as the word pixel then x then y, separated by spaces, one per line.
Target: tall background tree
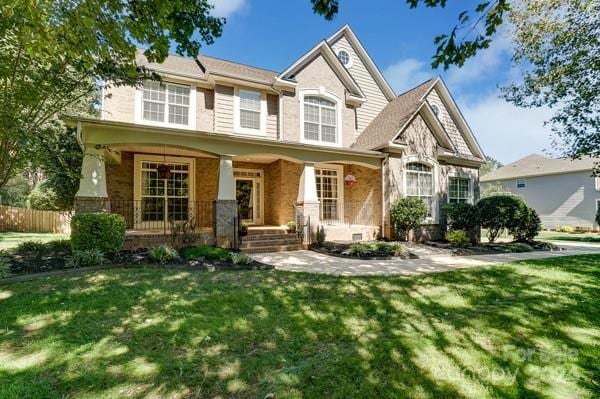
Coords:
pixel 556 46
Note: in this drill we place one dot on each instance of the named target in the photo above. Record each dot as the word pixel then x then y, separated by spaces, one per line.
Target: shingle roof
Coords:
pixel 395 115
pixel 539 165
pixel 173 64
pixel 237 70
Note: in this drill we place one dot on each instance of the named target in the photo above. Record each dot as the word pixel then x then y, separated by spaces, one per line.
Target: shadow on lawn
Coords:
pixel 524 330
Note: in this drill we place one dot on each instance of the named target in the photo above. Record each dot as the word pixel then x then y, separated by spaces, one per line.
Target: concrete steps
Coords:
pixel 264 240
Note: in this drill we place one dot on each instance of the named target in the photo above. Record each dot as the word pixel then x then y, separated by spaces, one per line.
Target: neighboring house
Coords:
pixel 326 139
pixel 562 191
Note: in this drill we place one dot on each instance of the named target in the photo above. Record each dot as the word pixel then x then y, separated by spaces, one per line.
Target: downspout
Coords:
pixel 280 113
pixel 384 166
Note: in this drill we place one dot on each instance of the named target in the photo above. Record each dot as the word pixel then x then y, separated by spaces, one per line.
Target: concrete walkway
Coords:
pixel 312 262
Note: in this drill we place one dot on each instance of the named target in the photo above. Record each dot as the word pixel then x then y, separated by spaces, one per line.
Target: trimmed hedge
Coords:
pixel 407 214
pixel 462 216
pixel 101 231
pixel 528 228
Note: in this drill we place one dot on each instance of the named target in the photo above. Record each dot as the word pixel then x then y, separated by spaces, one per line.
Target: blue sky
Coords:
pixel 274 33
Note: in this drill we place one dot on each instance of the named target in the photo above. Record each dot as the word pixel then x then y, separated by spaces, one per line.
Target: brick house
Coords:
pixel 327 139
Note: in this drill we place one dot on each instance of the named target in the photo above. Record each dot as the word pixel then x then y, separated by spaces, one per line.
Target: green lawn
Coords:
pixel 555 235
pixel 10 239
pixel 529 329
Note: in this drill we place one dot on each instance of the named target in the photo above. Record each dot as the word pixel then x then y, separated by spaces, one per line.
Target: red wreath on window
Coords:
pixel 164 171
pixel 350 180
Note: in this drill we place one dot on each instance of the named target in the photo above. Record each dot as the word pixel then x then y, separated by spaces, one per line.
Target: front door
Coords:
pixel 249 195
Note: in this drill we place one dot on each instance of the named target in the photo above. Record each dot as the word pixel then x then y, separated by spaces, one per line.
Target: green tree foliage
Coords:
pixel 407 214
pixel 557 44
pixel 462 216
pixel 42 198
pixel 52 54
pixel 500 212
pixel 490 165
pixel 528 227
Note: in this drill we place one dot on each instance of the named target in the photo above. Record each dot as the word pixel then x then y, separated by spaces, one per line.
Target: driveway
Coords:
pixel 313 262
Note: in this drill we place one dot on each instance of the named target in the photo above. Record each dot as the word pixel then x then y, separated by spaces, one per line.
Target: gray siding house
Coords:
pixel 562 191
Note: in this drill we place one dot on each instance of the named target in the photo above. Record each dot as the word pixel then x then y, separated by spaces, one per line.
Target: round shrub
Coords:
pixel 500 212
pixel 102 231
pixel 528 228
pixel 163 254
pixel 458 238
pixel 31 248
pixel 239 258
pixel 407 214
pixel 462 216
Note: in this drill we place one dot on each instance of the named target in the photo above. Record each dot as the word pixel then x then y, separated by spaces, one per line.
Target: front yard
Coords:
pixel 525 329
pixel 10 239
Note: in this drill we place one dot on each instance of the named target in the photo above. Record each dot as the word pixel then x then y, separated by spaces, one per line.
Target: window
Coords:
pixel 520 183
pixel 459 190
pixel 164 199
pixel 419 183
pixel 344 58
pixel 320 119
pixel 435 109
pixel 328 193
pixel 250 109
pixel 166 103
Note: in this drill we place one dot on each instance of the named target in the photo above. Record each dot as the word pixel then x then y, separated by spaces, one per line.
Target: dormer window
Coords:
pixel 166 103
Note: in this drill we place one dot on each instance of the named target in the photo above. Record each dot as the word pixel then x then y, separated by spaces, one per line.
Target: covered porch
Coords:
pixel 215 182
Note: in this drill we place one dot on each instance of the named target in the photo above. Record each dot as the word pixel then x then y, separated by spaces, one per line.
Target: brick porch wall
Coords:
pixel 366 190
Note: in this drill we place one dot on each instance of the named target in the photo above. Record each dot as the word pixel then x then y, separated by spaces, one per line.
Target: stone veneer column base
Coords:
pixel 310 209
pixel 224 223
pixel 91 204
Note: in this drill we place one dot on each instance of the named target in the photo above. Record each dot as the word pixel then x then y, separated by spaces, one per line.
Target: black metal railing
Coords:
pixel 303 229
pixel 334 212
pixel 156 214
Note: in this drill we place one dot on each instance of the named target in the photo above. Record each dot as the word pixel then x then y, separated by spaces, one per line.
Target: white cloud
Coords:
pixel 407 73
pixel 225 8
pixel 507 132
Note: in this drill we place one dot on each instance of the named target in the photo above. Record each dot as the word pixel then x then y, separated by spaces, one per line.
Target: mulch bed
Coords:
pixel 496 248
pixel 341 249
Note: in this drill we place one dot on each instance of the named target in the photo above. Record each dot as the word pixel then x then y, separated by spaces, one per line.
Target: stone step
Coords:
pixel 252 232
pixel 277 248
pixel 260 237
pixel 270 243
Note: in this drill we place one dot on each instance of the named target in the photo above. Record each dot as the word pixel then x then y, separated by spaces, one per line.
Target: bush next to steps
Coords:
pixel 102 231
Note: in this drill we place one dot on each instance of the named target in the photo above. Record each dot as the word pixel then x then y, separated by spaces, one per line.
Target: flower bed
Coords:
pixel 494 248
pixel 364 250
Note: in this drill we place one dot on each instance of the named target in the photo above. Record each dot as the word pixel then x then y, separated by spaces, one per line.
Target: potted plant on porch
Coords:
pixel 243 229
pixel 291 226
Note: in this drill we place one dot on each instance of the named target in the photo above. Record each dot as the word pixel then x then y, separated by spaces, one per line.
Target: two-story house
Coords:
pixel 327 139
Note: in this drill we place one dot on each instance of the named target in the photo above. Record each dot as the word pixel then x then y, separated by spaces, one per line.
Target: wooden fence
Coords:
pixel 34 221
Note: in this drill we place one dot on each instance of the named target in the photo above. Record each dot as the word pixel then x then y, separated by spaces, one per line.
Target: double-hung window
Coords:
pixel 459 190
pixel 250 110
pixel 320 120
pixel 166 103
pixel 419 184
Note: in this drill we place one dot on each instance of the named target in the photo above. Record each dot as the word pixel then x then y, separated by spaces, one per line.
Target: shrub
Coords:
pixel 4 265
pixel 291 226
pixel 206 252
pixel 408 214
pixel 458 238
pixel 58 246
pixel 528 228
pixel 364 249
pixel 320 236
pixel 183 233
pixel 86 257
pixel 31 248
pixel 462 216
pixel 500 212
pixel 43 198
pixel 163 254
pixel 565 229
pixel 102 231
pixel 598 216
pixel 239 258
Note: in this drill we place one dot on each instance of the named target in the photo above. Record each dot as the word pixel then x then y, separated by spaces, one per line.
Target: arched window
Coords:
pixel 320 119
pixel 419 183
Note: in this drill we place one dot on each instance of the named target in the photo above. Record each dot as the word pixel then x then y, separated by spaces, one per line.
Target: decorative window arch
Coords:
pixel 320 117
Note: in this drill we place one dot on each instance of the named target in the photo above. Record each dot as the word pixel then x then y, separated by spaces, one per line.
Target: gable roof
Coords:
pixel 539 165
pixel 393 118
pixel 324 49
pixel 367 60
pixel 173 64
pixel 221 67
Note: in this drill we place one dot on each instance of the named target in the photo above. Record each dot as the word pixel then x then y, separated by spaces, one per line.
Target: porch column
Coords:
pixel 92 195
pixel 225 205
pixel 308 200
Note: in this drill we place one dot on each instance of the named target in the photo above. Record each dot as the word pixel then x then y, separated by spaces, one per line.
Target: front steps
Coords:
pixel 262 240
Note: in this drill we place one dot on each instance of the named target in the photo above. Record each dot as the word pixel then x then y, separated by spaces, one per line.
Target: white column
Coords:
pixel 93 175
pixel 307 191
pixel 226 187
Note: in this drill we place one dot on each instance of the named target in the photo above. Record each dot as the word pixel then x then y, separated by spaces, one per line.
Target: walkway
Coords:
pixel 312 262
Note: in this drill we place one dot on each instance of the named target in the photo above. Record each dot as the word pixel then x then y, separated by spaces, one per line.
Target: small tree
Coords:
pixel 407 214
pixel 501 212
pixel 528 228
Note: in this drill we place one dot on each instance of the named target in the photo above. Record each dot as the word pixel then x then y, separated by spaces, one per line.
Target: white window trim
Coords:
pixel 340 189
pixel 321 92
pixel 137 176
pixel 520 180
pixel 451 175
pixel 139 108
pixel 434 218
pixel 236 113
pixel 261 180
pixel 350 58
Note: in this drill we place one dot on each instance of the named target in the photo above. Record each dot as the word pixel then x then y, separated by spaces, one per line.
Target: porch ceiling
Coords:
pixel 119 134
pixel 160 150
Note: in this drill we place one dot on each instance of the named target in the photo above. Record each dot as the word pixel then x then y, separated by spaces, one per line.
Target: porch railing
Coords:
pixel 347 213
pixel 153 214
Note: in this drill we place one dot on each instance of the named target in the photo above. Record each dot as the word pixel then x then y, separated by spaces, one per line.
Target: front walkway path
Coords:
pixel 312 262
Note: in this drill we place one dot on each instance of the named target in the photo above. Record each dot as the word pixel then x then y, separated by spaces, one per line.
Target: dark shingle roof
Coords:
pixel 395 115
